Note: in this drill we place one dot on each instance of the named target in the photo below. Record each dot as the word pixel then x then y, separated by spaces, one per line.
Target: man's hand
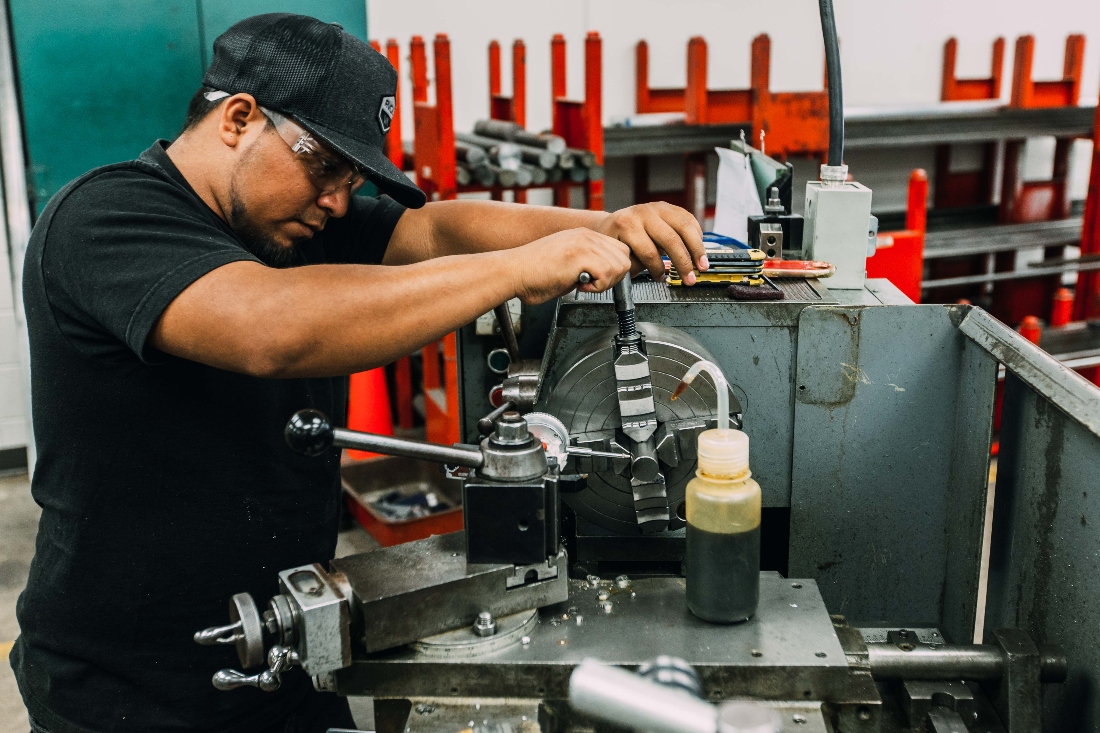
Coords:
pixel 649 229
pixel 552 266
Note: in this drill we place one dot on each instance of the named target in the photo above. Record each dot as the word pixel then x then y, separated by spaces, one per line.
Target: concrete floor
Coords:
pixel 18 527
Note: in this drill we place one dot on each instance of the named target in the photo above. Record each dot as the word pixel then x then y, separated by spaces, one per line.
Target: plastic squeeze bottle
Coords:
pixel 722 560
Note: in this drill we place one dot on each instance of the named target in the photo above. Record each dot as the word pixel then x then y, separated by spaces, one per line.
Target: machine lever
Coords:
pixel 278 658
pixel 504 319
pixel 487 424
pixel 310 433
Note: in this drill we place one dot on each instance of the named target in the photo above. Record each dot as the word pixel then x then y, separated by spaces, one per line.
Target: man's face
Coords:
pixel 275 204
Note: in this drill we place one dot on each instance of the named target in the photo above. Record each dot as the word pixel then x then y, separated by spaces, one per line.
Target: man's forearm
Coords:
pixel 446 228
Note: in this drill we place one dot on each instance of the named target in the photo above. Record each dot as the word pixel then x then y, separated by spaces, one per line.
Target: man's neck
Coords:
pixel 192 162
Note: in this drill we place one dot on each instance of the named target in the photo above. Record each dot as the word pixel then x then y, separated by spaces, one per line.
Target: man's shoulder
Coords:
pixel 129 186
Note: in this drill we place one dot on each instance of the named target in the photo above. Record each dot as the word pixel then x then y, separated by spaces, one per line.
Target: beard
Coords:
pixel 256 238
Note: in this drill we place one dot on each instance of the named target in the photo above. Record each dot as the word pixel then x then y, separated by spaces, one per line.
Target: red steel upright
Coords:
pixel 1086 303
pixel 1040 200
pixel 434 136
pixel 969 188
pixel 394 150
pixel 514 108
pixel 580 123
pixel 648 99
pixel 900 255
pixel 1030 201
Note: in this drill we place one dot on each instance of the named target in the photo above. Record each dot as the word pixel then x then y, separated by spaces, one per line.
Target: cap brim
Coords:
pixel 380 171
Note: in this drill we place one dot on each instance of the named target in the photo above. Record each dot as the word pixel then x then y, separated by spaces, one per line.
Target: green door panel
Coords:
pixel 102 79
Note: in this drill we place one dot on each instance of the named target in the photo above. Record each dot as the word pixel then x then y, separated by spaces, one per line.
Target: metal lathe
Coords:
pixel 885 605
pixel 870 420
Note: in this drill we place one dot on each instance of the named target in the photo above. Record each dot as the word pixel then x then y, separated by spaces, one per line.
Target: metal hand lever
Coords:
pixel 486 424
pixel 624 308
pixel 310 433
pixel 278 659
pixel 504 319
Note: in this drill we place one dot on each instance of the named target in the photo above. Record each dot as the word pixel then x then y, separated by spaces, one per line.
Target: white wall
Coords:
pixel 891 50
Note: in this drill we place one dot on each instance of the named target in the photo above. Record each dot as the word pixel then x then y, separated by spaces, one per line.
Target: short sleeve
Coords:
pixel 361 236
pixel 120 248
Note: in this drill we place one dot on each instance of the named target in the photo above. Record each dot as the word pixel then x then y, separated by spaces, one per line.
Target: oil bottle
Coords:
pixel 722 559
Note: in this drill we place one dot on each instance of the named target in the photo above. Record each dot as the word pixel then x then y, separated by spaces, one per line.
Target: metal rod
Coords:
pixel 452 455
pixel 504 319
pixel 1036 271
pixel 504 130
pixel 970 662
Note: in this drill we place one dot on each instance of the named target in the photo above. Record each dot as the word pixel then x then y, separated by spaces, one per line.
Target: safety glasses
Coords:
pixel 329 172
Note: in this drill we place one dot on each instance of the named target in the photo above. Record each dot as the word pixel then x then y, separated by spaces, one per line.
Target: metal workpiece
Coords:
pixel 419 589
pixel 789 647
pixel 310 433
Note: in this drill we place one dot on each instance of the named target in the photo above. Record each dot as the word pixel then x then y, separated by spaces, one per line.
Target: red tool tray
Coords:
pixel 367 481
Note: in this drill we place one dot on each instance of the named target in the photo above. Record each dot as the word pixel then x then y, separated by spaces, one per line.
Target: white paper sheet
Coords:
pixel 737 196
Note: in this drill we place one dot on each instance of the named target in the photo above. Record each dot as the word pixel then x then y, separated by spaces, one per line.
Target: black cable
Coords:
pixel 836 91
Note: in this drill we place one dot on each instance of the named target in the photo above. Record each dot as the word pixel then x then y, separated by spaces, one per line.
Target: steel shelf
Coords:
pixel 1036 269
pixel 1001 238
pixel 952 122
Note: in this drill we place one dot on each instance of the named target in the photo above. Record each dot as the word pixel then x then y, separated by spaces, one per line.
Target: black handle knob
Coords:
pixel 309 432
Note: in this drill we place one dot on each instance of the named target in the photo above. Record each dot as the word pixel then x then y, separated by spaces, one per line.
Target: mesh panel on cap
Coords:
pixel 283 63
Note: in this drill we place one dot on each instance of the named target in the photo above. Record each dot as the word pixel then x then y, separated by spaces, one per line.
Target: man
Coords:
pixel 182 306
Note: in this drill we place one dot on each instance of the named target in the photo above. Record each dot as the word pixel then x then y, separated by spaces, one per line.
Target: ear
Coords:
pixel 239 115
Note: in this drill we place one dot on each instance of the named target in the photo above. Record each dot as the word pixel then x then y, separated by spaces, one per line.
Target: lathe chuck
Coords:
pixel 583 396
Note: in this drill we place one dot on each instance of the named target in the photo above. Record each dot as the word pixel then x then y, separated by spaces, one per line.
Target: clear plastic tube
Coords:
pixel 719 383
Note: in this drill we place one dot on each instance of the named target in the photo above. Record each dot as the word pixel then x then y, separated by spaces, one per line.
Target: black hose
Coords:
pixel 836 91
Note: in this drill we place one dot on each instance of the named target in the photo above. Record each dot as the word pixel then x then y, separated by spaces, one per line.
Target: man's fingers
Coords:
pixel 669 239
pixel 608 260
pixel 645 250
pixel 690 233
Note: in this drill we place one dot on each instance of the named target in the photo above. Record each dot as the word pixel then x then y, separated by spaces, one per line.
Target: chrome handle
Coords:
pixel 278 659
pixel 231 679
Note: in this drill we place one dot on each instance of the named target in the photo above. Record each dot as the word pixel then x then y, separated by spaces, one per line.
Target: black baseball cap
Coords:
pixel 330 82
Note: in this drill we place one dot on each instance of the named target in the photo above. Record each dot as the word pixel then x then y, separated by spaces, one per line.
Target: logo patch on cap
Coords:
pixel 385 113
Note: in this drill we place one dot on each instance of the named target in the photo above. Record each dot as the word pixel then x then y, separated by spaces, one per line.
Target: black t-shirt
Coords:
pixel 165 485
